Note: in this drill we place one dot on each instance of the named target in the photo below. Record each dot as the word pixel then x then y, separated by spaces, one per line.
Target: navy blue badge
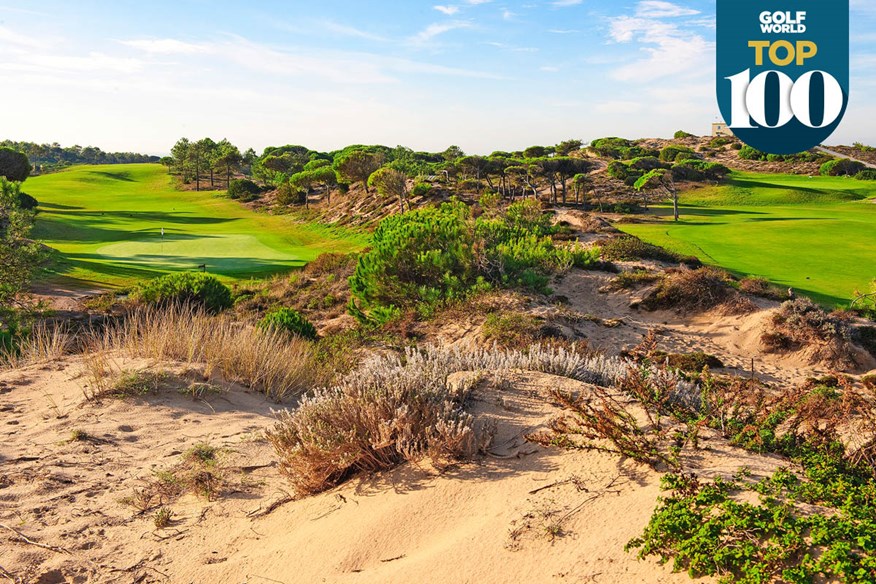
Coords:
pixel 783 71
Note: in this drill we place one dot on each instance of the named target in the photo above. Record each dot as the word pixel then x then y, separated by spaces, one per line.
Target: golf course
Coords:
pixel 115 225
pixel 814 234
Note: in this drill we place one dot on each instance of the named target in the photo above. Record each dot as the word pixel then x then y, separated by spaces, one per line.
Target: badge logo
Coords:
pixel 783 71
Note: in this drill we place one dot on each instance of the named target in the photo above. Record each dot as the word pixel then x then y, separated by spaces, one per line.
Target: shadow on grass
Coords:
pixel 156 216
pixel 57 206
pixel 119 176
pixel 144 266
pixel 76 232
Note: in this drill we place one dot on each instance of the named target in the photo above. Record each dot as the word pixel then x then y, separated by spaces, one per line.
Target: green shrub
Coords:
pixel 287 194
pixel 749 153
pixel 289 320
pixel 842 167
pixel 682 134
pixel 866 174
pixel 646 163
pixel 425 257
pixel 721 141
pixel 622 171
pixel 619 148
pixel 674 152
pixel 421 189
pixel 193 288
pixel 243 189
pixel 631 248
pixel 699 170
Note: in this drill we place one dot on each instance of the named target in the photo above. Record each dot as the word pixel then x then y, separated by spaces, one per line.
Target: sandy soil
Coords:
pixel 522 514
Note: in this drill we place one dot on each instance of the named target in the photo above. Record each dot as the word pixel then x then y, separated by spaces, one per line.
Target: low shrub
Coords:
pixel 866 337
pixel 382 415
pixel 866 174
pixel 801 323
pixel 682 134
pixel 631 248
pixel 516 329
pixel 705 530
pixel 694 290
pixel 762 288
pixel 842 167
pixel 290 321
pixel 694 362
pixel 394 409
pixel 429 256
pixel 635 279
pixel 421 189
pixel 699 170
pixel 675 152
pixel 244 190
pixel 287 195
pixel 189 288
pixel 647 163
pixel 624 172
pixel 620 148
pixel 720 141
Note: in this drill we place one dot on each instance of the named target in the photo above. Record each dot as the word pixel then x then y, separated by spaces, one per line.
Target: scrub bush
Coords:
pixel 191 288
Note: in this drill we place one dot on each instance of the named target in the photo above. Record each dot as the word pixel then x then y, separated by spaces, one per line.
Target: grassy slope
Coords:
pixel 817 235
pixel 107 220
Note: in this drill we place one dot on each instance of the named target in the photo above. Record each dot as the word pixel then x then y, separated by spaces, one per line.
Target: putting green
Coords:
pixel 107 222
pixel 816 235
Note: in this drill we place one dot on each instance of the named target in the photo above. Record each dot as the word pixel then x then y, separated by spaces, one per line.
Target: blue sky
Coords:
pixel 483 74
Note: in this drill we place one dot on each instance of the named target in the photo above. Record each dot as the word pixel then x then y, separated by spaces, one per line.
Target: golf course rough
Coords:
pixel 117 224
pixel 814 234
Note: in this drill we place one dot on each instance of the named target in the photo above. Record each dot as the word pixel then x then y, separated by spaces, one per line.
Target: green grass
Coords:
pixel 106 221
pixel 817 235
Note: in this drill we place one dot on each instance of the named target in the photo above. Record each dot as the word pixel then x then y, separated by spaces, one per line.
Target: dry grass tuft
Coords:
pixel 44 344
pixel 696 290
pixel 803 325
pixel 272 362
pixel 401 408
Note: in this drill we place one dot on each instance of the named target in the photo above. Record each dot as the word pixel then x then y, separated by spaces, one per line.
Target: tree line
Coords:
pixel 47 157
pixel 296 171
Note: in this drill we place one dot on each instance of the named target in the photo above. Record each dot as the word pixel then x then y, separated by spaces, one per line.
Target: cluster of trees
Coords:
pixel 19 255
pixel 297 171
pixel 46 157
pixel 207 160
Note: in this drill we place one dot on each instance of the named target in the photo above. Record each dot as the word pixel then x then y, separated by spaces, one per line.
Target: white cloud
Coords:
pixel 563 31
pixel 476 2
pixel 508 47
pixel 668 50
pixel 13 38
pixel 166 46
pixel 438 29
pixel 448 10
pixel 94 62
pixel 660 9
pixel 566 3
pixel 350 31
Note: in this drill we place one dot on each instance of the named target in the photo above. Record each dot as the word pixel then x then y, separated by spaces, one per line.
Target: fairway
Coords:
pixel 107 223
pixel 817 235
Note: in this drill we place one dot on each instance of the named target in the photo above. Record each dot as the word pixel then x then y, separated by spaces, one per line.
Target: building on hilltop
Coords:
pixel 721 129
